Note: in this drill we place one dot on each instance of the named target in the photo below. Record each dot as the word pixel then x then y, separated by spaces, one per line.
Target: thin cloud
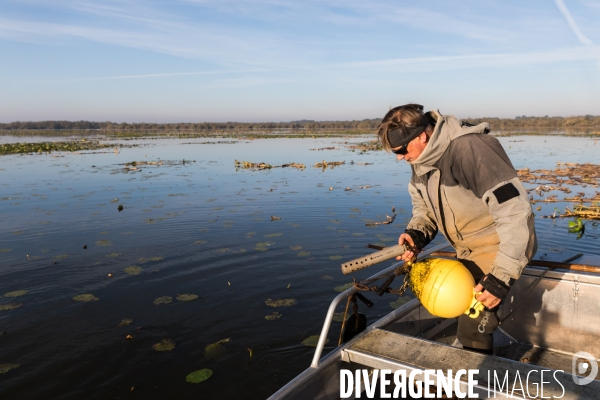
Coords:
pixel 480 60
pixel 147 76
pixel 565 12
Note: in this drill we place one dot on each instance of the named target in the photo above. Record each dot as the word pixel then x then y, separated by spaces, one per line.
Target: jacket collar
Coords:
pixel 447 128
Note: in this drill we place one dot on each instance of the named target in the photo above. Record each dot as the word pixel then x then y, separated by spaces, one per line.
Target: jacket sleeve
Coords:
pixel 510 208
pixel 422 222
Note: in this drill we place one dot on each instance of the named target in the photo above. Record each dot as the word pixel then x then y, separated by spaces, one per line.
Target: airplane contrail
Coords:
pixel 565 12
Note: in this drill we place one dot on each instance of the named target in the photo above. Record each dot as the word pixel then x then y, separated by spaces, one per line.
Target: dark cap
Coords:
pixel 402 135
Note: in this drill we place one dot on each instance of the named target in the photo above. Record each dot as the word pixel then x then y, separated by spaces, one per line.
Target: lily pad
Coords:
pixel 333 258
pixel 199 376
pixel 61 257
pixel 150 259
pixel 200 242
pixel 133 270
pixel 250 234
pixel 113 255
pixel 164 345
pixel 125 322
pixel 215 350
pixel 312 341
pixel 400 302
pixel 327 277
pixel 223 250
pixel 296 247
pixel 5 250
pixel 163 300
pixel 272 317
pixel 16 293
pixel 304 254
pixel 10 306
pixel 343 288
pixel 7 367
pixel 85 297
pixel 339 316
pixel 104 243
pixel 187 297
pixel 281 302
pixel 271 235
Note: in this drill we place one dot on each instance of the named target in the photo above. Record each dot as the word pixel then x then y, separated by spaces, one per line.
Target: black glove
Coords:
pixel 495 286
pixel 419 238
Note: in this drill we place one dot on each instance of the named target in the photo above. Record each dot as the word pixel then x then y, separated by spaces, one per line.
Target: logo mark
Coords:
pixel 584 363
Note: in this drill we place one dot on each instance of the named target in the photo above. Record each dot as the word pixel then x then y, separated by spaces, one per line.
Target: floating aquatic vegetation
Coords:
pixel 17 232
pixel 200 242
pixel 4 368
pixel 304 254
pixel 85 297
pixel 187 297
pixel 327 277
pixel 48 147
pixel 16 293
pixel 333 258
pixel 335 221
pixel 330 228
pixel 113 255
pixel 343 288
pixel 125 322
pixel 10 306
pixel 199 376
pixel 331 164
pixel 358 234
pixel 281 302
pixel 271 317
pixel 5 250
pixel 143 260
pixel 163 300
pixel 239 251
pixel 104 243
pixel 339 316
pixel 260 166
pixel 61 257
pixel 47 250
pixel 133 270
pixel 164 345
pixel 313 341
pixel 215 350
pixel 296 247
pixel 400 302
pixel 272 235
pixel 223 250
pixel 342 231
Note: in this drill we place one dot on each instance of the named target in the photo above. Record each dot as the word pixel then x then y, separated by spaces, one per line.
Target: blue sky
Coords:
pixel 282 60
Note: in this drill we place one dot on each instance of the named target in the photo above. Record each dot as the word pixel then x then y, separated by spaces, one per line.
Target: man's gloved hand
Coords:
pixel 494 290
pixel 409 255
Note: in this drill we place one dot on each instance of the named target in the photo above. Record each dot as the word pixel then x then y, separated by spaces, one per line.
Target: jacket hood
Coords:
pixel 446 130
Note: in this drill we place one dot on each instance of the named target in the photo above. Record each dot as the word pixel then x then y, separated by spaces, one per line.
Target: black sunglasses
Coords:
pixel 402 150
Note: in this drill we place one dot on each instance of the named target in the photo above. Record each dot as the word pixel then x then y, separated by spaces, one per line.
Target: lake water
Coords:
pixel 196 225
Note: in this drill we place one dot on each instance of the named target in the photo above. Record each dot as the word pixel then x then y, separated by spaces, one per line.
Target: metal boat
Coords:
pixel 550 329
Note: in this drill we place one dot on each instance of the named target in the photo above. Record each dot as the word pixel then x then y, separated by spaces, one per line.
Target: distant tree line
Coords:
pixel 366 124
pixel 546 123
pixel 519 123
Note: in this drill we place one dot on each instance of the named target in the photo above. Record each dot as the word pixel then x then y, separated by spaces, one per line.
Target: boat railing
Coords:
pixel 349 292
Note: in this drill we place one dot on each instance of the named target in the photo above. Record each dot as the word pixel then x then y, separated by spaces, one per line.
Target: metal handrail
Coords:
pixel 321 344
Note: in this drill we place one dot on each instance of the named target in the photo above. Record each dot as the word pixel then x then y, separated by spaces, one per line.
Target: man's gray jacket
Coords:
pixel 464 185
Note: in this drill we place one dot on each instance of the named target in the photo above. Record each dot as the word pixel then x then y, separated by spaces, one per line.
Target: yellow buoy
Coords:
pixel 444 287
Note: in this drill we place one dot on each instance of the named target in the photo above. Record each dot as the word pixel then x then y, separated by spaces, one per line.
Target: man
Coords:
pixel 464 185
